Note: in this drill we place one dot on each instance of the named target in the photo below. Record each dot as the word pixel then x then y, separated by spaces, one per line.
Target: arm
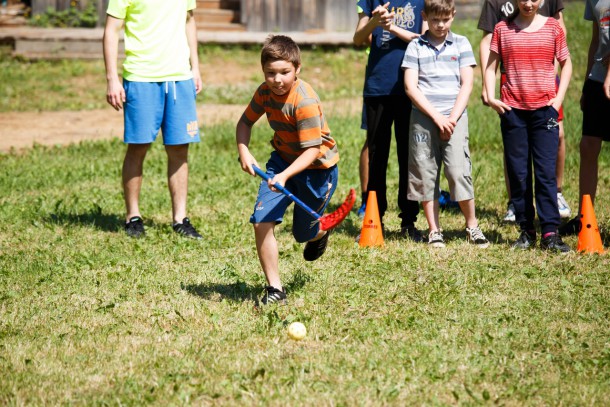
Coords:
pixel 367 24
pixel 405 35
pixel 424 105
pixel 243 133
pixel 484 57
pixel 300 164
pixel 466 80
pixel 191 37
pixel 559 17
pixel 115 94
pixel 490 84
pixel 607 83
pixel 564 80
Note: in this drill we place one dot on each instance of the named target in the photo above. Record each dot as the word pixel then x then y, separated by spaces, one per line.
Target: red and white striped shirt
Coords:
pixel 529 61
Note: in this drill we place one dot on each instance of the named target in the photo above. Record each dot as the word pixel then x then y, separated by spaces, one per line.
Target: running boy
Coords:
pixel 160 81
pixel 438 78
pixel 304 158
pixel 529 108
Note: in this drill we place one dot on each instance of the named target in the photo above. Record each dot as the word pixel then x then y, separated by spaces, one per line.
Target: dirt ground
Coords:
pixel 21 130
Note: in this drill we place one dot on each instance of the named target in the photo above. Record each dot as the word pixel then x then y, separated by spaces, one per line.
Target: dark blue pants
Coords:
pixel 381 113
pixel 531 137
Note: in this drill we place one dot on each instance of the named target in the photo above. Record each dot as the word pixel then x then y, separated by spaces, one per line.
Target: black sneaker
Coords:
pixel 526 240
pixel 554 243
pixel 186 229
pixel 314 250
pixel 273 296
pixel 135 227
pixel 411 232
pixel 572 227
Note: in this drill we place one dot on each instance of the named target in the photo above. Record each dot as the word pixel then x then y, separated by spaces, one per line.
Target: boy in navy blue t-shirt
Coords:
pixel 388 29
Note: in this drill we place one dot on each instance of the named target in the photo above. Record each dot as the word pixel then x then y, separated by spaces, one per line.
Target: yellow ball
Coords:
pixel 297 331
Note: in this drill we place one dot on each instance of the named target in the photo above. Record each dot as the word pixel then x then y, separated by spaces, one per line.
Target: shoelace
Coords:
pixel 436 235
pixel 477 234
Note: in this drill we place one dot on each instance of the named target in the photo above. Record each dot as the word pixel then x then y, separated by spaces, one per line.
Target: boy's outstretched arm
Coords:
pixel 243 133
pixel 115 94
pixel 191 37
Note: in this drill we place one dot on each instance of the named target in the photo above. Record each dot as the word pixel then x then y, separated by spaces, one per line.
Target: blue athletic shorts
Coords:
pixel 314 187
pixel 169 106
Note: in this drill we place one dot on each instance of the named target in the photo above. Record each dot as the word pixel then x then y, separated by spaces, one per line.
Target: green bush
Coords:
pixel 69 18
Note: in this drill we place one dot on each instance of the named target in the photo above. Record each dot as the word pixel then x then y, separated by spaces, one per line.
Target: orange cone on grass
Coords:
pixel 589 239
pixel 371 233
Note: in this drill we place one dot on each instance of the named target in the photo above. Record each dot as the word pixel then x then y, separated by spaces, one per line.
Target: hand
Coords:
pixel 115 94
pixel 445 125
pixel 197 81
pixel 247 160
pixel 555 102
pixel 499 106
pixel 484 97
pixel 278 179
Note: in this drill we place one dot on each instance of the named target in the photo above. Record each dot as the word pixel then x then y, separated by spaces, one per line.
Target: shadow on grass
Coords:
pixel 94 217
pixel 241 291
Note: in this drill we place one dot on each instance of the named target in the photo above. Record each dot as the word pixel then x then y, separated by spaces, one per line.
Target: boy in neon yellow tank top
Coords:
pixel 161 79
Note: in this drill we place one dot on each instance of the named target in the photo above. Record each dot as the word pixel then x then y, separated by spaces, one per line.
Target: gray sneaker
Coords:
pixel 562 205
pixel 476 237
pixel 435 239
pixel 510 213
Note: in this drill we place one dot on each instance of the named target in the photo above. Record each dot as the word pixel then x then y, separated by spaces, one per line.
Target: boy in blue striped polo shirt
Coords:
pixel 439 69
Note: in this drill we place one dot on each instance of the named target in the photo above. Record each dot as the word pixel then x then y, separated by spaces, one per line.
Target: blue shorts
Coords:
pixel 314 187
pixel 169 106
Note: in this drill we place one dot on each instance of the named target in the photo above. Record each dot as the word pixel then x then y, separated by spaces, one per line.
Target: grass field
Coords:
pixel 90 317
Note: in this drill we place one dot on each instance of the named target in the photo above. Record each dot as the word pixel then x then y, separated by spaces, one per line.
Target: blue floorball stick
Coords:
pixel 328 221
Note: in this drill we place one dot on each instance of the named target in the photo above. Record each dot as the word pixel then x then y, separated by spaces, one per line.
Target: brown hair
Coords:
pixel 439 7
pixel 280 48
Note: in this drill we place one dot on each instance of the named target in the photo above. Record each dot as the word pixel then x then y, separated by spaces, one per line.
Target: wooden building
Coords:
pixel 263 15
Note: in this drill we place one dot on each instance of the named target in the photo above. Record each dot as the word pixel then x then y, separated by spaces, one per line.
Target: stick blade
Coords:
pixel 331 220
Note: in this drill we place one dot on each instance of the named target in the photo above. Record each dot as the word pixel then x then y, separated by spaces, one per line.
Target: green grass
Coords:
pixel 89 317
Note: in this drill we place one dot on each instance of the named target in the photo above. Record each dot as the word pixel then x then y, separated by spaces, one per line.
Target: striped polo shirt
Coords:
pixel 297 121
pixel 529 61
pixel 439 68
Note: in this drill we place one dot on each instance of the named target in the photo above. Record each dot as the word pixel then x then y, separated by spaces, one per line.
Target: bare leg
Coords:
pixel 132 177
pixel 590 148
pixel 561 157
pixel 268 255
pixel 177 179
pixel 468 210
pixel 431 211
pixel 364 167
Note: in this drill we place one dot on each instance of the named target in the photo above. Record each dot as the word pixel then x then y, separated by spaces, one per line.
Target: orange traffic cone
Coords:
pixel 371 233
pixel 589 239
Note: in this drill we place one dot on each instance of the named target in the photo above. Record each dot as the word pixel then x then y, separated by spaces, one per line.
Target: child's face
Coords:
pixel 280 76
pixel 529 7
pixel 439 25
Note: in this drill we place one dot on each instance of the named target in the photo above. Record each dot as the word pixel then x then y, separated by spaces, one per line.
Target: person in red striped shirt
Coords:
pixel 304 158
pixel 528 107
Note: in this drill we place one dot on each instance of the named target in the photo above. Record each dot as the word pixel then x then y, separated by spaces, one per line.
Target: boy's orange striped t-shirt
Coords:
pixel 297 121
